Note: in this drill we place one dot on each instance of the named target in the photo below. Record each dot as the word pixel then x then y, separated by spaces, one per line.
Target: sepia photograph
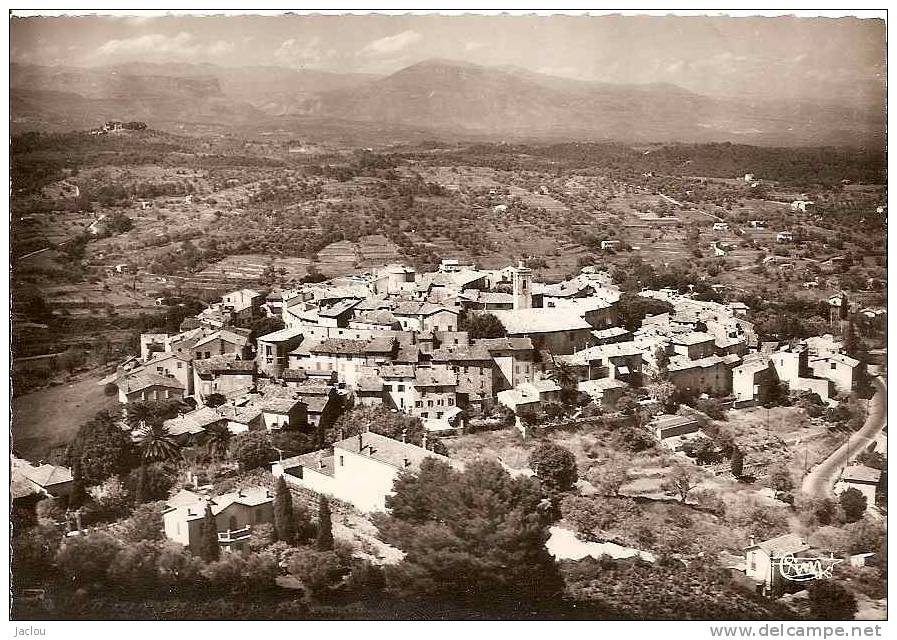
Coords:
pixel 440 316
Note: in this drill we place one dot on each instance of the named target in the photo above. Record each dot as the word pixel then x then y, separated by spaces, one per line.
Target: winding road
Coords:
pixel 821 479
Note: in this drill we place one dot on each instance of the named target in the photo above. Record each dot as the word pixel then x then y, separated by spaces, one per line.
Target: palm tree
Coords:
pixel 156 443
pixel 140 413
pixel 217 440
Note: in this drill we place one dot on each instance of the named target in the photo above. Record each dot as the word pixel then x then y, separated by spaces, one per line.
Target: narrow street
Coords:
pixel 821 479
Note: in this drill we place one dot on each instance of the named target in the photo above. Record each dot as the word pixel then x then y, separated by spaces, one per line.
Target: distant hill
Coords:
pixel 441 98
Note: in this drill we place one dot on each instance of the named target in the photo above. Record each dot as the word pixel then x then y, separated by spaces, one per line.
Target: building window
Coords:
pixel 450 401
pixel 341 461
pixel 401 387
pixel 418 404
pixel 429 403
pixel 439 414
pixel 834 365
pixel 425 415
pixel 387 387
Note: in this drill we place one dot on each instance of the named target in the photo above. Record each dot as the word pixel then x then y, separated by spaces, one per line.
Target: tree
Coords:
pixel 324 540
pixel 481 325
pixel 378 419
pixel 101 449
pixel 134 567
pixel 319 571
pixel 633 308
pixel 208 536
pixel 84 560
pixel 565 376
pixel 151 412
pixel 215 400
pixel 853 504
pixel 664 392
pixel 608 477
pixel 71 359
pixel 554 465
pixel 439 517
pixel 145 523
pixel 156 443
pixel 252 450
pixel 150 481
pixel 284 519
pixel 140 485
pixel 217 440
pixel 780 478
pixel 830 600
pixel 736 463
pixel 680 481
pixel 33 554
pixel 78 494
pixel 264 326
pixel 663 363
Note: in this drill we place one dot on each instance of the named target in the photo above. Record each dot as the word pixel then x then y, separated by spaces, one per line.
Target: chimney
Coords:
pixel 404 431
pixel 78 518
pixel 341 436
pixel 423 441
pixel 240 493
pixel 521 264
pixel 752 541
pixel 360 443
pixel 406 462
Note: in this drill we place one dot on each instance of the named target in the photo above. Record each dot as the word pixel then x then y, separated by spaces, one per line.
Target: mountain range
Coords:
pixel 437 98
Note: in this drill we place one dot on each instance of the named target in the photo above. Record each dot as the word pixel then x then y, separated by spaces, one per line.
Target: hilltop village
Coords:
pixel 655 428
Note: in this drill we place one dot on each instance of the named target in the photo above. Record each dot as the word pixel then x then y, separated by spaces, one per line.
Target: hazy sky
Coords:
pixel 762 56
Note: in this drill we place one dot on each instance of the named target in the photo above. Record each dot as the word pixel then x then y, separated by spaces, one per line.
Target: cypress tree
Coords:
pixel 284 518
pixel 78 494
pixel 736 463
pixel 208 537
pixel 324 540
pixel 140 487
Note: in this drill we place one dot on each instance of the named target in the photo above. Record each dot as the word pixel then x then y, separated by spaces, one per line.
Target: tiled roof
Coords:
pixel 315 461
pixel 193 422
pixel 338 309
pixel 144 379
pixel 541 320
pixel 373 384
pixel 783 545
pixel 279 405
pixel 387 450
pixel 506 344
pixel 426 377
pixel 282 335
pixel 396 371
pixel 692 337
pixel 225 362
pixel 195 510
pixel 861 473
pixel 46 475
pixel 340 346
pixel 461 353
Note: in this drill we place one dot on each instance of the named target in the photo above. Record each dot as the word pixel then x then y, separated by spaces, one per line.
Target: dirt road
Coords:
pixel 821 479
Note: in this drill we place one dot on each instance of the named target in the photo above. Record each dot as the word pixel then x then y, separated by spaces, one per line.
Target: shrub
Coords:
pixel 853 504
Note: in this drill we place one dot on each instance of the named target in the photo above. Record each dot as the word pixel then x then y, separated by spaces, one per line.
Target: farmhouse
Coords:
pixel 359 470
pixel 762 561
